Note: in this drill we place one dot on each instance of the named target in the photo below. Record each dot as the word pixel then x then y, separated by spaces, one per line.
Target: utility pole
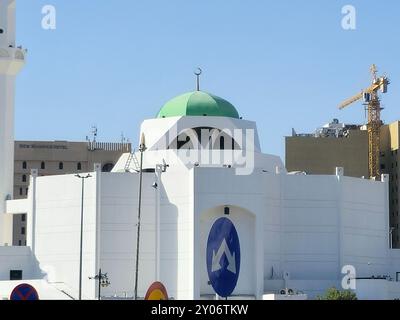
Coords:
pixel 81 241
pixel 142 148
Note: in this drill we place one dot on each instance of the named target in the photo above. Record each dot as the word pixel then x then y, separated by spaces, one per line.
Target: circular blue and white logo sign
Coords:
pixel 223 257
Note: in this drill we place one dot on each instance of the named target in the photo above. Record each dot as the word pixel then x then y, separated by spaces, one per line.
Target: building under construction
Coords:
pixel 364 151
pixel 339 145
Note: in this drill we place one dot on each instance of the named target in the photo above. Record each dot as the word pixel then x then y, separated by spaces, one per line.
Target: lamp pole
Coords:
pixel 103 281
pixel 81 241
pixel 142 148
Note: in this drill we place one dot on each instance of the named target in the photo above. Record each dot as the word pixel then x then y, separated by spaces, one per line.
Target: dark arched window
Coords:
pixel 79 166
pixel 61 166
pixel 24 178
pixel 24 165
pixel 42 165
pixel 107 167
pixel 20 191
pixel 222 143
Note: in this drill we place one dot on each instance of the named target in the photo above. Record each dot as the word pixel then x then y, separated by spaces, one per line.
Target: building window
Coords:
pixel 19 242
pixel 61 166
pixel 15 274
pixel 382 167
pixel 24 165
pixel 42 165
pixel 20 191
pixel 26 191
pixel 222 143
pixel 107 167
pixel 24 178
pixel 23 230
pixel 23 217
pixel 79 166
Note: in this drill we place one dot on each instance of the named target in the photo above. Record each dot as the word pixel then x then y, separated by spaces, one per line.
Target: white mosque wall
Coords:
pixel 310 241
pixel 177 233
pixel 16 258
pixel 119 210
pixel 56 243
pixel 330 222
pixel 394 264
pixel 119 205
pixel 6 227
pixel 364 226
pixel 272 228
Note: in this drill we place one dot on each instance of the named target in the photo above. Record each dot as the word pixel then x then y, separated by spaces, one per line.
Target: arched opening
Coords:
pixel 42 165
pixel 207 137
pixel 107 167
pixel 61 166
pixel 79 166
pixel 24 178
pixel 24 165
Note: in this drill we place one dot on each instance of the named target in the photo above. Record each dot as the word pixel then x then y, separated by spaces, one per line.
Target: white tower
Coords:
pixel 12 59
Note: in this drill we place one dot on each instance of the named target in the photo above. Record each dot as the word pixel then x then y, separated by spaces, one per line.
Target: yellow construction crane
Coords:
pixel 372 102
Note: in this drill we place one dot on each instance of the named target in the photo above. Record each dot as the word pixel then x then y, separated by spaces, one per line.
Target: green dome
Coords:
pixel 198 103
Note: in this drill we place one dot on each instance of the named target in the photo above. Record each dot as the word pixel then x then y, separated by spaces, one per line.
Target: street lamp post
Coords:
pixel 142 148
pixel 81 240
pixel 103 281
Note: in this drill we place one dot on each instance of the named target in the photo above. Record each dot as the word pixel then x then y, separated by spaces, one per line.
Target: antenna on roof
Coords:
pixel 94 132
pixel 198 72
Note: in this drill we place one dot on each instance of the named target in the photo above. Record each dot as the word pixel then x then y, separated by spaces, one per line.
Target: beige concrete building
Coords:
pixel 54 158
pixel 339 145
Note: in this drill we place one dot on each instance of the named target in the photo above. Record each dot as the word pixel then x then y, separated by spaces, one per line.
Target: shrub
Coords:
pixel 335 294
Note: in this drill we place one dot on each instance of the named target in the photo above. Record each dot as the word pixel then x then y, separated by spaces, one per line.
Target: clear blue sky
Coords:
pixel 282 63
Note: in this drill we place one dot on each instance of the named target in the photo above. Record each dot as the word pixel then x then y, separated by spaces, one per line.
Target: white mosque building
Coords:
pixel 218 216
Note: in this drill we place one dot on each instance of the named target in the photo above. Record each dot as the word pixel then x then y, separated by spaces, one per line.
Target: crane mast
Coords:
pixel 372 102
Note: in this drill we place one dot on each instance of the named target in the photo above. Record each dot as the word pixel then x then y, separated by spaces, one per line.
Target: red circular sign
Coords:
pixel 24 291
pixel 156 291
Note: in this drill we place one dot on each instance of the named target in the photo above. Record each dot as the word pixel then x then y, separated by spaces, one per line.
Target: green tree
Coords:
pixel 335 294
